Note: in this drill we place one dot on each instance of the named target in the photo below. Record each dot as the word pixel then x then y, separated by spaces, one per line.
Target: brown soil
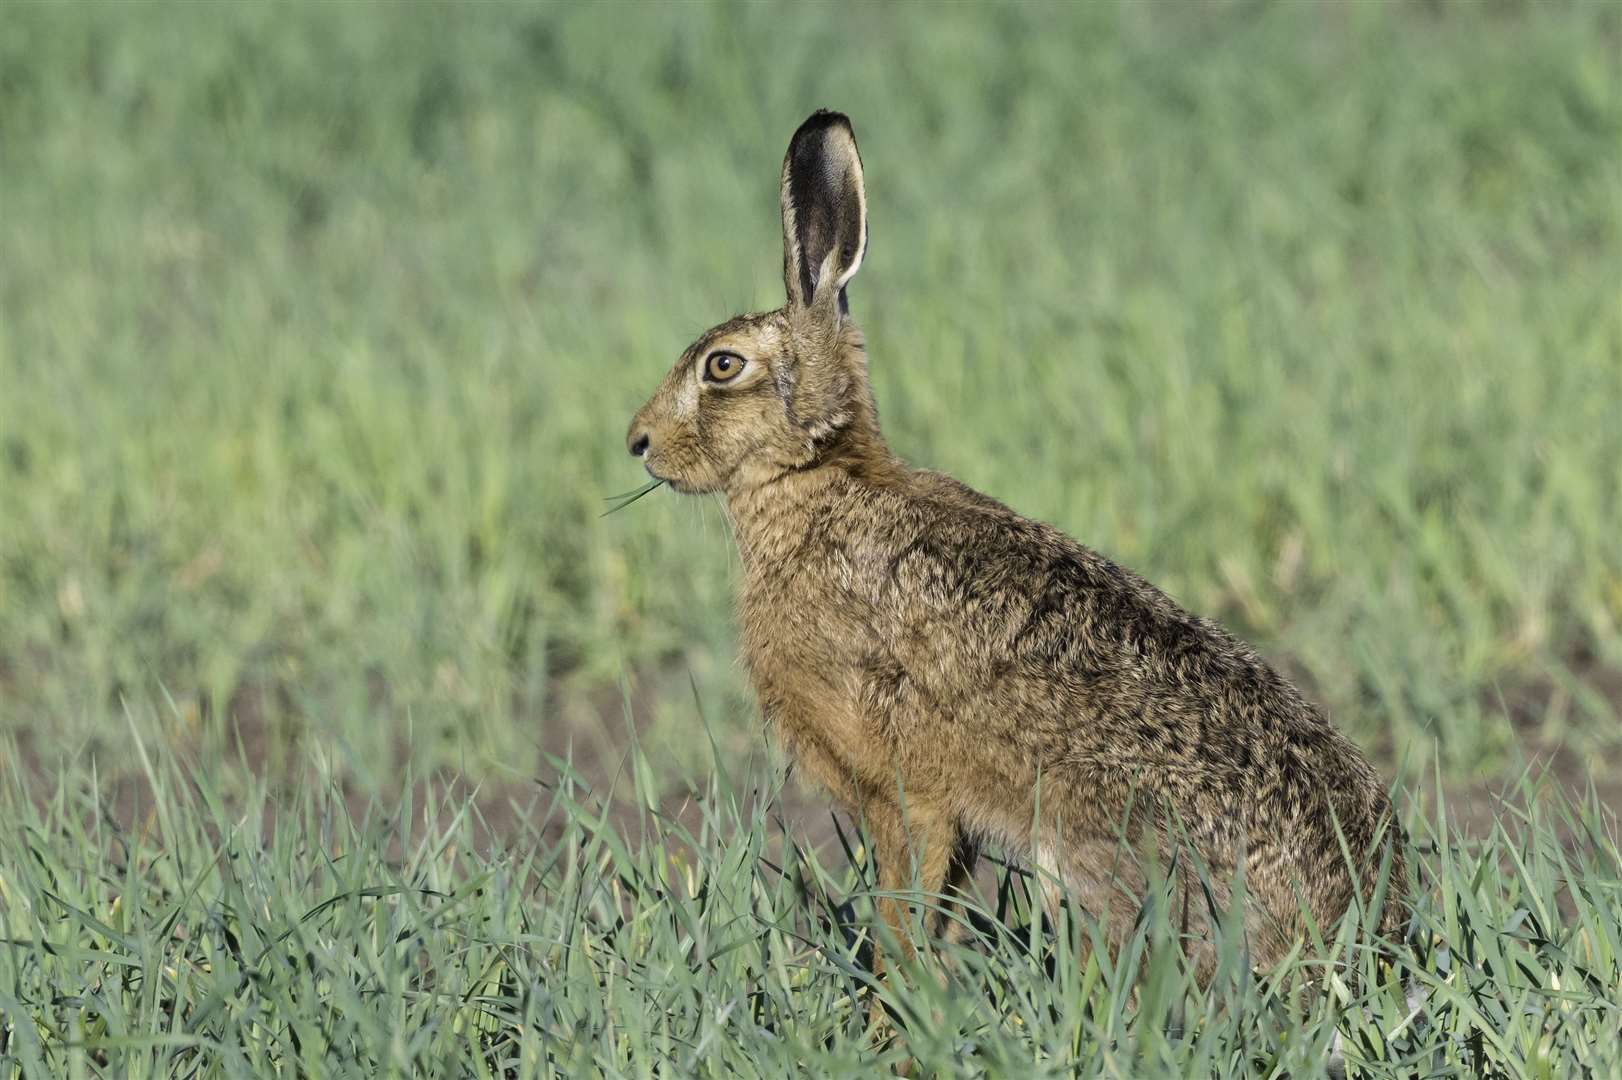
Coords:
pixel 599 758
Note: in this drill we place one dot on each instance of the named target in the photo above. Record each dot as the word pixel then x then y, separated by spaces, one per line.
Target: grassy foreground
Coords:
pixel 250 936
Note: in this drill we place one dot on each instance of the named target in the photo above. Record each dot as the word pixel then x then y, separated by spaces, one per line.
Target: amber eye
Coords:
pixel 723 366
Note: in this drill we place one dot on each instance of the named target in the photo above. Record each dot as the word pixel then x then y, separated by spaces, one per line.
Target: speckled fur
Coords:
pixel 958 674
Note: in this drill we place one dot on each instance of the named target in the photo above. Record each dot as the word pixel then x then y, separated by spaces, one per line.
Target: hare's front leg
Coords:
pixel 915 847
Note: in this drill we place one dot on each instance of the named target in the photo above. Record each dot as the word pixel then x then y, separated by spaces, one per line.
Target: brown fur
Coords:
pixel 958 674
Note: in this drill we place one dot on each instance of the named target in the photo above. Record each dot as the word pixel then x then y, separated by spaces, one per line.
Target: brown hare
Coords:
pixel 957 674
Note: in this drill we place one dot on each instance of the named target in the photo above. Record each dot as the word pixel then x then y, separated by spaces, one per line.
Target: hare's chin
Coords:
pixel 671 482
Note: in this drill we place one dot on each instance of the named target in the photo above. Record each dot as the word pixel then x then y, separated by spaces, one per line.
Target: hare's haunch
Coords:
pixel 956 673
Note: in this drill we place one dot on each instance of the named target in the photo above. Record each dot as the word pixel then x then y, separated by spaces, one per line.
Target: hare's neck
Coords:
pixel 778 514
pixel 771 520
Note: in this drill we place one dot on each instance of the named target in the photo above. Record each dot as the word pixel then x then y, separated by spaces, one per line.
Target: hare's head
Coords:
pixel 762 394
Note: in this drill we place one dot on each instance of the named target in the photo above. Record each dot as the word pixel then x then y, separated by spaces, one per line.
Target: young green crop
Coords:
pixel 303 933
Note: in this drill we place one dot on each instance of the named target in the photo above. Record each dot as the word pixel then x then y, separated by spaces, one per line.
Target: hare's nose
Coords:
pixel 639 444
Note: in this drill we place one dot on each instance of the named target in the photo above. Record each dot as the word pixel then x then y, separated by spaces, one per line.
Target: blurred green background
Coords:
pixel 320 327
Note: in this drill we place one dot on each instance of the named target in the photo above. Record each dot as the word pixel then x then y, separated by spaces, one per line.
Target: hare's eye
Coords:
pixel 723 366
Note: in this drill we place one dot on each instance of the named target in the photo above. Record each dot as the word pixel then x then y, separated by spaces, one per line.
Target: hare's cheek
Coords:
pixel 758 423
pixel 685 402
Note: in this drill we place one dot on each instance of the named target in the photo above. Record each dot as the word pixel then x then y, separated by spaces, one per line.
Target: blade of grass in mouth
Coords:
pixel 626 498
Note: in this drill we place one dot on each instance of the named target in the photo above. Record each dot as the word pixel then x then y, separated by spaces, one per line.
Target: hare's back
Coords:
pixel 1082 656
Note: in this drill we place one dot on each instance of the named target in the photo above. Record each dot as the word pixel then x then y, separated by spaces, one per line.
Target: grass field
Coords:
pixel 320 326
pixel 260 936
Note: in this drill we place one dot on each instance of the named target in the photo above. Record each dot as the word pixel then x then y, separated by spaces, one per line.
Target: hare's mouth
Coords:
pixel 677 483
pixel 657 479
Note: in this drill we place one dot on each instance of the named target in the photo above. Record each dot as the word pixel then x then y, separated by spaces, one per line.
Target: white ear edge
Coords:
pixel 791 239
pixel 861 203
pixel 855 264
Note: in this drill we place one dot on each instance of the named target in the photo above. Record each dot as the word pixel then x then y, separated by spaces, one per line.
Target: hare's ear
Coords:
pixel 824 212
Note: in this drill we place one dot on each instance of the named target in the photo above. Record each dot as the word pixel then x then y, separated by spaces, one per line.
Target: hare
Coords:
pixel 957 674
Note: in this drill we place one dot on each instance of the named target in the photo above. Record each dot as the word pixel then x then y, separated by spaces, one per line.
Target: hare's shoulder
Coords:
pixel 1027 593
pixel 954 543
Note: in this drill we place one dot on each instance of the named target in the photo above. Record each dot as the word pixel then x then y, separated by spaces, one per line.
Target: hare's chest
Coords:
pixel 805 659
pixel 796 644
pixel 812 612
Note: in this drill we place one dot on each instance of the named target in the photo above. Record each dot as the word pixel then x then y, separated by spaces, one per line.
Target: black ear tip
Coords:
pixel 821 121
